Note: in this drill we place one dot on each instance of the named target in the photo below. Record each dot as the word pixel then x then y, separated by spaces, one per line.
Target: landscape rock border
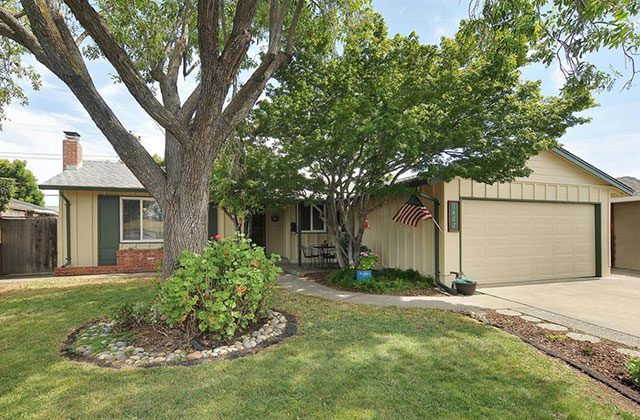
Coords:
pixel 184 358
pixel 624 390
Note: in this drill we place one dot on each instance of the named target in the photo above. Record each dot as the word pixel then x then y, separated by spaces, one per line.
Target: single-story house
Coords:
pixel 551 225
pixel 625 232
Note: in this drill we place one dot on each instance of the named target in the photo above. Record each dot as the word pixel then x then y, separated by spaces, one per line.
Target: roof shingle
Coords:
pixel 95 174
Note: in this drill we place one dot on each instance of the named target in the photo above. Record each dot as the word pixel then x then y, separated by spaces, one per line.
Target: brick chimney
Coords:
pixel 71 151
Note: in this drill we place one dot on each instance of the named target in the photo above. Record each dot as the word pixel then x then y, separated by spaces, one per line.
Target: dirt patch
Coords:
pixel 322 279
pixel 599 360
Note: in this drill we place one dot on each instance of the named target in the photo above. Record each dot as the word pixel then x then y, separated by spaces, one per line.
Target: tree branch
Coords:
pixel 117 56
pixel 249 93
pixel 17 32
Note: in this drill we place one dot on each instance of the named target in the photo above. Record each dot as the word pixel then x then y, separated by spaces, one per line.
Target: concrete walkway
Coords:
pixel 494 298
pixel 454 303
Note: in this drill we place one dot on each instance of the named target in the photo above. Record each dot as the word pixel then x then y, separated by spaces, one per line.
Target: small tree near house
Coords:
pixel 358 120
pixel 250 177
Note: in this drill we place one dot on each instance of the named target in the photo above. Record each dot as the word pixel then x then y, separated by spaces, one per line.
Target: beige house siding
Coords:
pixel 626 233
pixel 84 227
pixel 399 245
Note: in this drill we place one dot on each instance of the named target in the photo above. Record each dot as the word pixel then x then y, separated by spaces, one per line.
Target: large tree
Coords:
pixel 381 108
pixel 151 44
pixel 26 186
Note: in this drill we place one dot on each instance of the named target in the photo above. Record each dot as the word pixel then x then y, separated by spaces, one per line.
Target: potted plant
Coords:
pixel 465 286
pixel 367 262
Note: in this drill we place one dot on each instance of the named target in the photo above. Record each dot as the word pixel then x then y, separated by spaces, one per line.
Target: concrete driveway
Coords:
pixel 610 304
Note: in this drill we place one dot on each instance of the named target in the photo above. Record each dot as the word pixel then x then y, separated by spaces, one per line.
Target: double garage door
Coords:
pixel 511 241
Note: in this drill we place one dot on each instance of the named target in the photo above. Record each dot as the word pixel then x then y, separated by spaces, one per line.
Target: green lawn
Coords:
pixel 347 362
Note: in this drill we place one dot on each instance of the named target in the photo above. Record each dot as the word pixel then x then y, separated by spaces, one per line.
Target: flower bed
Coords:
pixel 390 281
pixel 101 343
pixel 602 359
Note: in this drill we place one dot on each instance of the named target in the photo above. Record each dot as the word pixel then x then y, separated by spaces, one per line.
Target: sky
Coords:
pixel 611 141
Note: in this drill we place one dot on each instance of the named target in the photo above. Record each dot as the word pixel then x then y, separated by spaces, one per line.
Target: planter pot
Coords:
pixel 465 287
pixel 363 275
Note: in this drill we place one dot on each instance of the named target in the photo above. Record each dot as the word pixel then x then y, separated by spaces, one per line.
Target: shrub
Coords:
pixel 368 261
pixel 131 315
pixel 633 366
pixel 224 288
pixel 382 281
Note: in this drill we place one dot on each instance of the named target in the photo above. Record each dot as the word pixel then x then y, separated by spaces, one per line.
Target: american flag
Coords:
pixel 412 212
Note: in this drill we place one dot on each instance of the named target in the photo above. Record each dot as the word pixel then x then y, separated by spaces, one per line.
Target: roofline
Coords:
pixel 632 199
pixel 593 170
pixel 85 188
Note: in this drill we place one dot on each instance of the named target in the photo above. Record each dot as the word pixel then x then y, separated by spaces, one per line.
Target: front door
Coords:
pixel 259 230
pixel 108 229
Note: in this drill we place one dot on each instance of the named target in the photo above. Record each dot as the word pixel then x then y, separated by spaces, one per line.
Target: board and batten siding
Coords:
pixel 626 233
pixel 553 179
pixel 398 245
pixel 84 227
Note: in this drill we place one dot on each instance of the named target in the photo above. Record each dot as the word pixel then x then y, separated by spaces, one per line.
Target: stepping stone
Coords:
pixel 583 337
pixel 508 312
pixel 629 352
pixel 530 318
pixel 552 327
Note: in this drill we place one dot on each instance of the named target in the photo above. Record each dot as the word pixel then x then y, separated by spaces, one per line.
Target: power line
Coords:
pixel 51 154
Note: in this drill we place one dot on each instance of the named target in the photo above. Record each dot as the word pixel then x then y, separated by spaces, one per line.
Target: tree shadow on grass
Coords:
pixel 347 361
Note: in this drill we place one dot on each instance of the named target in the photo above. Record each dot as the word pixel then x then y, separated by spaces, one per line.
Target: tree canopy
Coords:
pixel 381 108
pixel 26 186
pixel 251 177
pixel 568 32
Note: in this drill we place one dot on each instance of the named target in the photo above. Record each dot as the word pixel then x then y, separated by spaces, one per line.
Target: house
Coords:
pixel 625 228
pixel 17 209
pixel 551 225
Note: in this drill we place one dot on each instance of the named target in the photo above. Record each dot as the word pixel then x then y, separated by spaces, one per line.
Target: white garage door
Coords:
pixel 507 241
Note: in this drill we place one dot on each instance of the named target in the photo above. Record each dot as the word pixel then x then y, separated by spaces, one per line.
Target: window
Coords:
pixel 311 218
pixel 141 220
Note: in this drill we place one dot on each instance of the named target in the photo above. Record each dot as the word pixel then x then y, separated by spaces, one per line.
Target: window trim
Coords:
pixel 311 219
pixel 141 240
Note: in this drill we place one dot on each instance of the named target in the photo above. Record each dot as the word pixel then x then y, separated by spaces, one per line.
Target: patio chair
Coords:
pixel 308 254
pixel 328 256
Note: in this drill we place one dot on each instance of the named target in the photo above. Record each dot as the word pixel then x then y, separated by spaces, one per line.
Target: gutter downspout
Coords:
pixel 299 234
pixel 67 204
pixel 436 235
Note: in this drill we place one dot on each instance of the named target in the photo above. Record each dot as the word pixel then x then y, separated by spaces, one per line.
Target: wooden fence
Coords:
pixel 28 245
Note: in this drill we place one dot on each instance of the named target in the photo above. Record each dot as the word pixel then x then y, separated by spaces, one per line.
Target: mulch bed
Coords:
pixel 322 279
pixel 168 340
pixel 599 360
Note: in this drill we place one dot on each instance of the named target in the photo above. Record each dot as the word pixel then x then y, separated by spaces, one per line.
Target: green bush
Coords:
pixel 225 288
pixel 131 315
pixel 382 281
pixel 7 190
pixel 633 366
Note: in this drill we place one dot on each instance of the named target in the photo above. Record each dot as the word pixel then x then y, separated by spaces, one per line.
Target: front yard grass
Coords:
pixel 347 361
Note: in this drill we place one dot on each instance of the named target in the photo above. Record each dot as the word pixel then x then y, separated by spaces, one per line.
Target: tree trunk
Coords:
pixel 186 210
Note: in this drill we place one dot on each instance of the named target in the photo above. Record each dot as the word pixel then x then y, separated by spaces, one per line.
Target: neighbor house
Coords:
pixel 625 232
pixel 551 225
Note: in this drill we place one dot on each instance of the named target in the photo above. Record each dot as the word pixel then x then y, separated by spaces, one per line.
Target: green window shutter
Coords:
pixel 212 226
pixel 108 229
